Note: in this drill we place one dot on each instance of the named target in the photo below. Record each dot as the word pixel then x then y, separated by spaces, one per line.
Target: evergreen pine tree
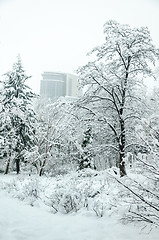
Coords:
pixel 17 128
pixel 86 157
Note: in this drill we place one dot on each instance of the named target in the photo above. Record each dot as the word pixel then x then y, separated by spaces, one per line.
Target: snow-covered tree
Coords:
pixel 86 156
pixel 113 79
pixel 17 116
pixel 144 186
pixel 54 149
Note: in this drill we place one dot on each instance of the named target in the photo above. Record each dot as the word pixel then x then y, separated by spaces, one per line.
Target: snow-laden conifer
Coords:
pixel 17 116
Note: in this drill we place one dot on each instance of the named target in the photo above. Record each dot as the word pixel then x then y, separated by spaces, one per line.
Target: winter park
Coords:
pixel 79 158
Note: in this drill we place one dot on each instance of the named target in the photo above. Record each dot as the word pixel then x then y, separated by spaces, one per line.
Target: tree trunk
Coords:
pixel 7 167
pixel 122 149
pixel 17 162
pixel 8 163
pixel 122 123
pixel 42 168
pixel 122 169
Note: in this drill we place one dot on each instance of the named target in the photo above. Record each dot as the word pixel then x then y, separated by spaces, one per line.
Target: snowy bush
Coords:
pixel 87 189
pixel 101 193
pixel 141 199
pixel 67 196
pixel 29 191
pixel 25 189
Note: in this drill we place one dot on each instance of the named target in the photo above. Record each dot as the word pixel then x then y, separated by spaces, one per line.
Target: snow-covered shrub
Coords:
pixel 10 187
pixel 103 203
pixel 143 186
pixel 141 199
pixel 26 189
pixel 67 196
pixel 87 189
pixel 99 207
pixel 30 191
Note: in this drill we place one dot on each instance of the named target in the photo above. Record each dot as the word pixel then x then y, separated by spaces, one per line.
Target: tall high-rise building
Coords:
pixel 55 84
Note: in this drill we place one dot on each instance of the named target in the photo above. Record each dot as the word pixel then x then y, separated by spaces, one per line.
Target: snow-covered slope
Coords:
pixel 19 221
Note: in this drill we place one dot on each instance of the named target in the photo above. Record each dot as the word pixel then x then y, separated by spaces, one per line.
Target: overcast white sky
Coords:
pixel 55 35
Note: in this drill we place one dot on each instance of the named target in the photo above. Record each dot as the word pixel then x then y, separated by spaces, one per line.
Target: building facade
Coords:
pixel 55 84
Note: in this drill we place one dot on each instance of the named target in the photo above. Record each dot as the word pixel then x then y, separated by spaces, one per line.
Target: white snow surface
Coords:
pixel 19 221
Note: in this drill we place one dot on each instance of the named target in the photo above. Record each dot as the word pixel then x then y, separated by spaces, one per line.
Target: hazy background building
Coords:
pixel 55 84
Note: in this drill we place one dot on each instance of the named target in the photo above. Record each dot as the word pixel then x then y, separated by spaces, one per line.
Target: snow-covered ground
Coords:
pixel 19 221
